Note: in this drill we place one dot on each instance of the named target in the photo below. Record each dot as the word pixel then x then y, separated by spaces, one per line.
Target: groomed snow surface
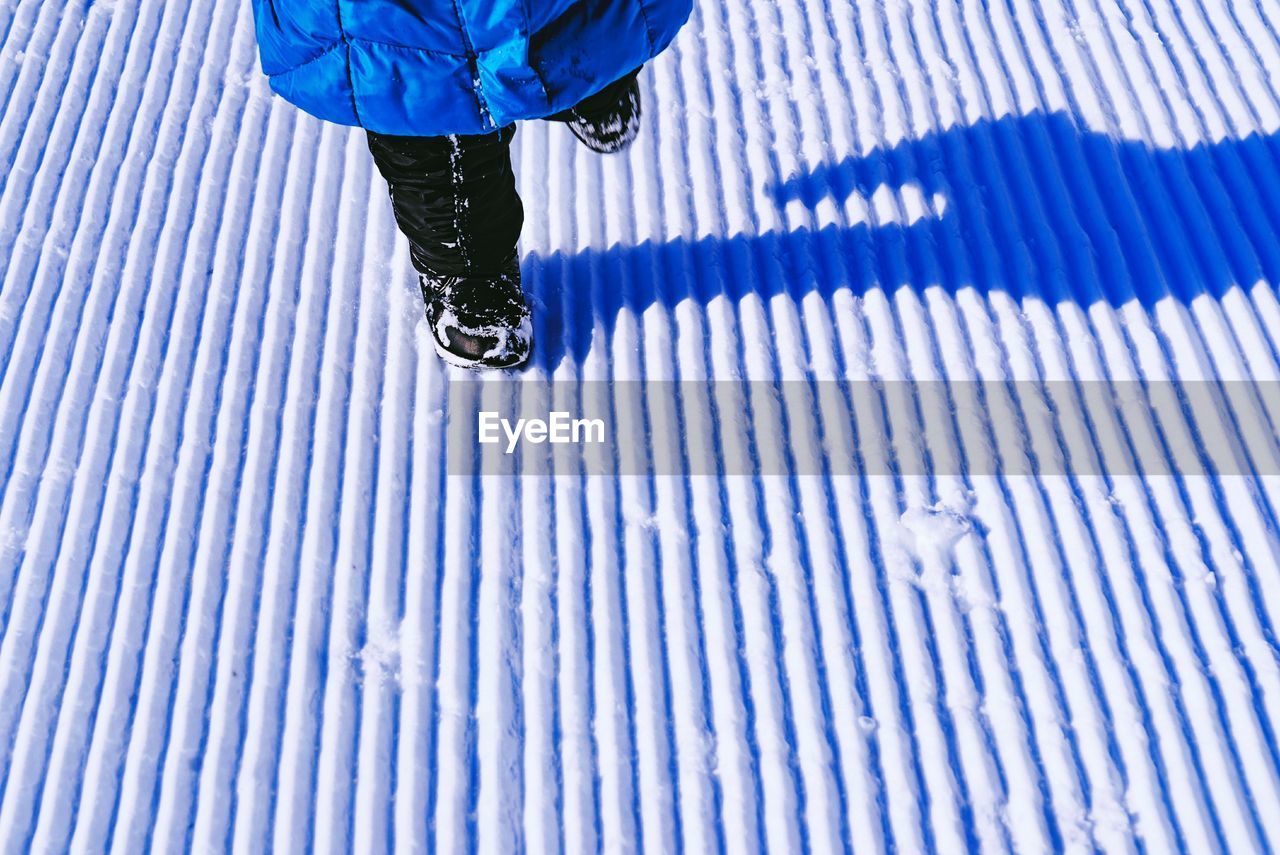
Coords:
pixel 247 600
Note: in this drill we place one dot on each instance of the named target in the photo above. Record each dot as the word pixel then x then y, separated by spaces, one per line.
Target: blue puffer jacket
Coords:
pixel 430 67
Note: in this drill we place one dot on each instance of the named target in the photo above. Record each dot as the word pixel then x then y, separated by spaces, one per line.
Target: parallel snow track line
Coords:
pixel 1227 727
pixel 249 600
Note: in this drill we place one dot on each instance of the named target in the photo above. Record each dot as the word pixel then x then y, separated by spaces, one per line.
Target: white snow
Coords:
pixel 251 594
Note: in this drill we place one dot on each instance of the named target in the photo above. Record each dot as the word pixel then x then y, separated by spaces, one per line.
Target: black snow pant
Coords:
pixel 455 198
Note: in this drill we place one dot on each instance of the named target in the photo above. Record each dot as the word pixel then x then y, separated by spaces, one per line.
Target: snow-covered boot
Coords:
pixel 609 120
pixel 479 321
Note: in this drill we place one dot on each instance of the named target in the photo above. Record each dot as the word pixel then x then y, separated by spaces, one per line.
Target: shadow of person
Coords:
pixel 1030 205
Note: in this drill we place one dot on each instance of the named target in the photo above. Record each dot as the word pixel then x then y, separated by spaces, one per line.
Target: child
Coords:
pixel 438 85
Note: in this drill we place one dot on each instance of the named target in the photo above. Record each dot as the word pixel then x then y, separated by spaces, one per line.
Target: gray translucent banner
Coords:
pixel 506 426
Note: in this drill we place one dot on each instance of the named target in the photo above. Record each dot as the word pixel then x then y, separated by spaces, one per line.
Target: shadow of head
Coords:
pixel 1033 206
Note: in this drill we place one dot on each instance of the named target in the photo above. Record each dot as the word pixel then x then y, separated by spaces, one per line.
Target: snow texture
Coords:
pixel 244 604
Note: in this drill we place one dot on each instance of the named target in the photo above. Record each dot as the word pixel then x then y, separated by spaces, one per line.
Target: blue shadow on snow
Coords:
pixel 1031 205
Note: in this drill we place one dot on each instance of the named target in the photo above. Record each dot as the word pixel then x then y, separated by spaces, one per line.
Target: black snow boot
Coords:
pixel 479 321
pixel 609 120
